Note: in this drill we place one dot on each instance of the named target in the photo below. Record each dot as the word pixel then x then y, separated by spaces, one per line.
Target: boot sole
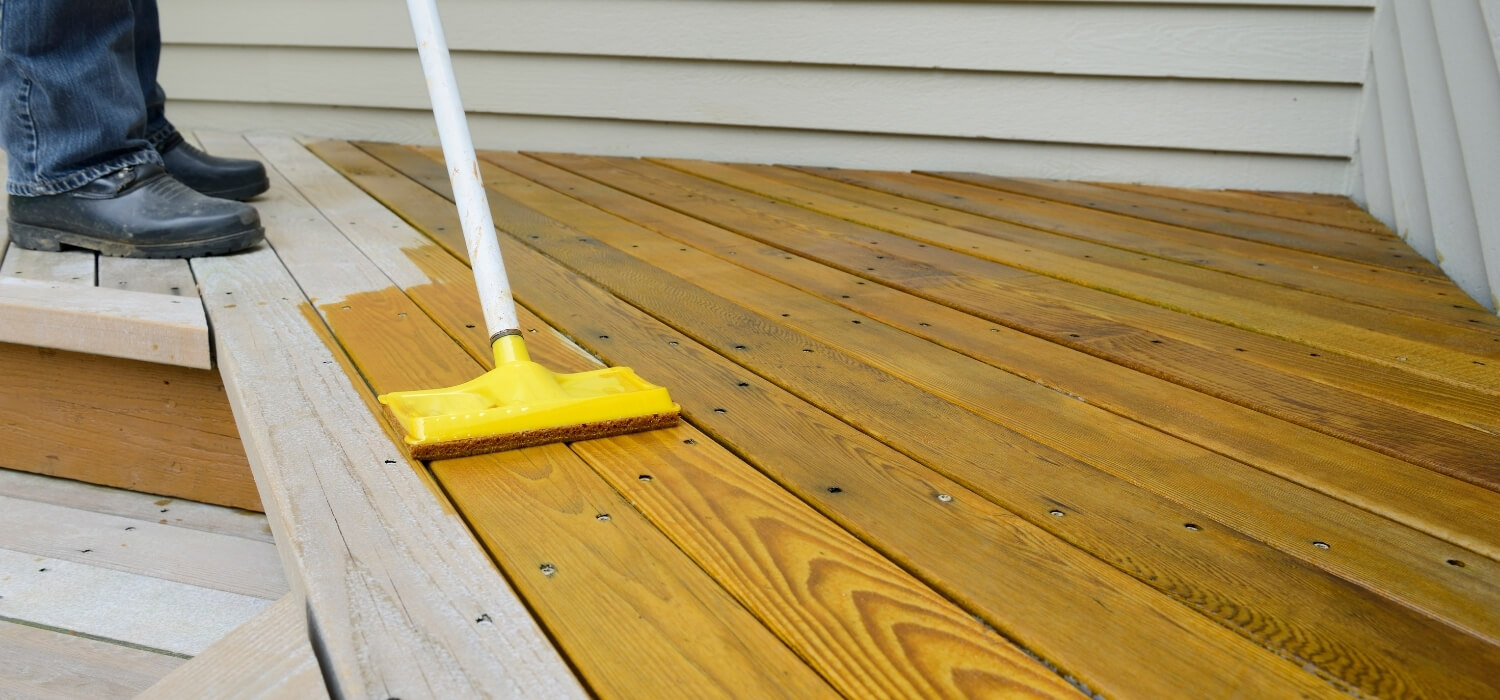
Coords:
pixel 46 239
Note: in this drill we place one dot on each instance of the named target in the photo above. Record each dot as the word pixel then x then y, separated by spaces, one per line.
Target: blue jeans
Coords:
pixel 78 82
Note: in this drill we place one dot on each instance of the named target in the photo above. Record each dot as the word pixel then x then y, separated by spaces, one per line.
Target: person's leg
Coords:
pixel 82 172
pixel 159 132
pixel 73 102
pixel 229 178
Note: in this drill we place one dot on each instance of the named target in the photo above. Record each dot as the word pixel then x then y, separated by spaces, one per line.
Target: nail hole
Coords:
pixel 1321 545
pixel 672 343
pixel 42 569
pixel 925 325
pixel 689 441
pixel 855 321
pixel 602 517
pixel 806 349
pixel 743 384
pixel 835 489
pixel 1192 526
pixel 644 477
pixel 945 498
pixel 1457 563
pixel 468 325
pixel 162 510
pixel 739 347
pixel 390 461
pixel 128 529
pixel 1073 335
pixel 1156 342
pixel 786 315
pixel 548 569
pixel 1313 354
pixel 84 551
pixel 1056 513
pixel 483 618
pixel 604 337
pixel 720 411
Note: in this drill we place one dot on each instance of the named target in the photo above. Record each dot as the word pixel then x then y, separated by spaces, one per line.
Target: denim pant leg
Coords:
pixel 159 131
pixel 74 108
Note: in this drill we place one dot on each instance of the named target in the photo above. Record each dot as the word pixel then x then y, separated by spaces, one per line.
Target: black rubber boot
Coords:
pixel 227 178
pixel 136 212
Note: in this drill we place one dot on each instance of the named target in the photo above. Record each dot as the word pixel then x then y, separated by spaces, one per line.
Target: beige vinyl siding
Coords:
pixel 1429 139
pixel 1230 94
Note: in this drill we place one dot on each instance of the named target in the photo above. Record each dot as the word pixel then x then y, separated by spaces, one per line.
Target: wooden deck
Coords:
pixel 946 435
pixel 1166 441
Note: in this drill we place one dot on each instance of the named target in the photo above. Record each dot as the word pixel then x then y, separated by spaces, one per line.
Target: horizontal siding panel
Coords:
pixel 607 137
pixel 1307 43
pixel 1283 118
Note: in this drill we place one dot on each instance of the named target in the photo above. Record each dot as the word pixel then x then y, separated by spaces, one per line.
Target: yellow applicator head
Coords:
pixel 520 403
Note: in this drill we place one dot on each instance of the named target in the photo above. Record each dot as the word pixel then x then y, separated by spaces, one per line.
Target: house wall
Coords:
pixel 1248 93
pixel 1428 160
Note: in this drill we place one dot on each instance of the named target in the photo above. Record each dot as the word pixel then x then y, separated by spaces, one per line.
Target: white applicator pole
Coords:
pixel 463 172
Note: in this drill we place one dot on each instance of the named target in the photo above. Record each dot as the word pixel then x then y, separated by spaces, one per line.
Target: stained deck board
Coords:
pixel 1380 382
pixel 1117 445
pixel 1446 354
pixel 1021 218
pixel 822 374
pixel 1381 484
pixel 867 487
pixel 655 295
pixel 543 505
pixel 979 285
pixel 1329 209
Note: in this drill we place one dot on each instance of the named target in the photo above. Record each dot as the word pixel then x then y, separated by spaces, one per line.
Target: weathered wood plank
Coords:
pixel 70 266
pixel 173 277
pixel 40 663
pixel 179 513
pixel 267 657
pixel 220 562
pixel 116 323
pixel 1060 310
pixel 630 609
pixel 342 500
pixel 160 615
pixel 1380 554
pixel 134 425
pixel 890 501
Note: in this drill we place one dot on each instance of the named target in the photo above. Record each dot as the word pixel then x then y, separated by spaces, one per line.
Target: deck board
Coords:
pixel 542 505
pixel 869 488
pixel 1252 477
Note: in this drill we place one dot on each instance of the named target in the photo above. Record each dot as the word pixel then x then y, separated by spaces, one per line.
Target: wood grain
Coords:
pixel 145 611
pixel 267 657
pixel 1280 513
pixel 1383 250
pixel 1373 481
pixel 631 611
pixel 116 323
pixel 944 652
pixel 220 562
pixel 1062 309
pixel 1330 210
pixel 1443 353
pixel 180 513
pixel 39 663
pixel 170 277
pixel 1118 513
pixel 341 499
pixel 879 491
pixel 133 425
pixel 1020 218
